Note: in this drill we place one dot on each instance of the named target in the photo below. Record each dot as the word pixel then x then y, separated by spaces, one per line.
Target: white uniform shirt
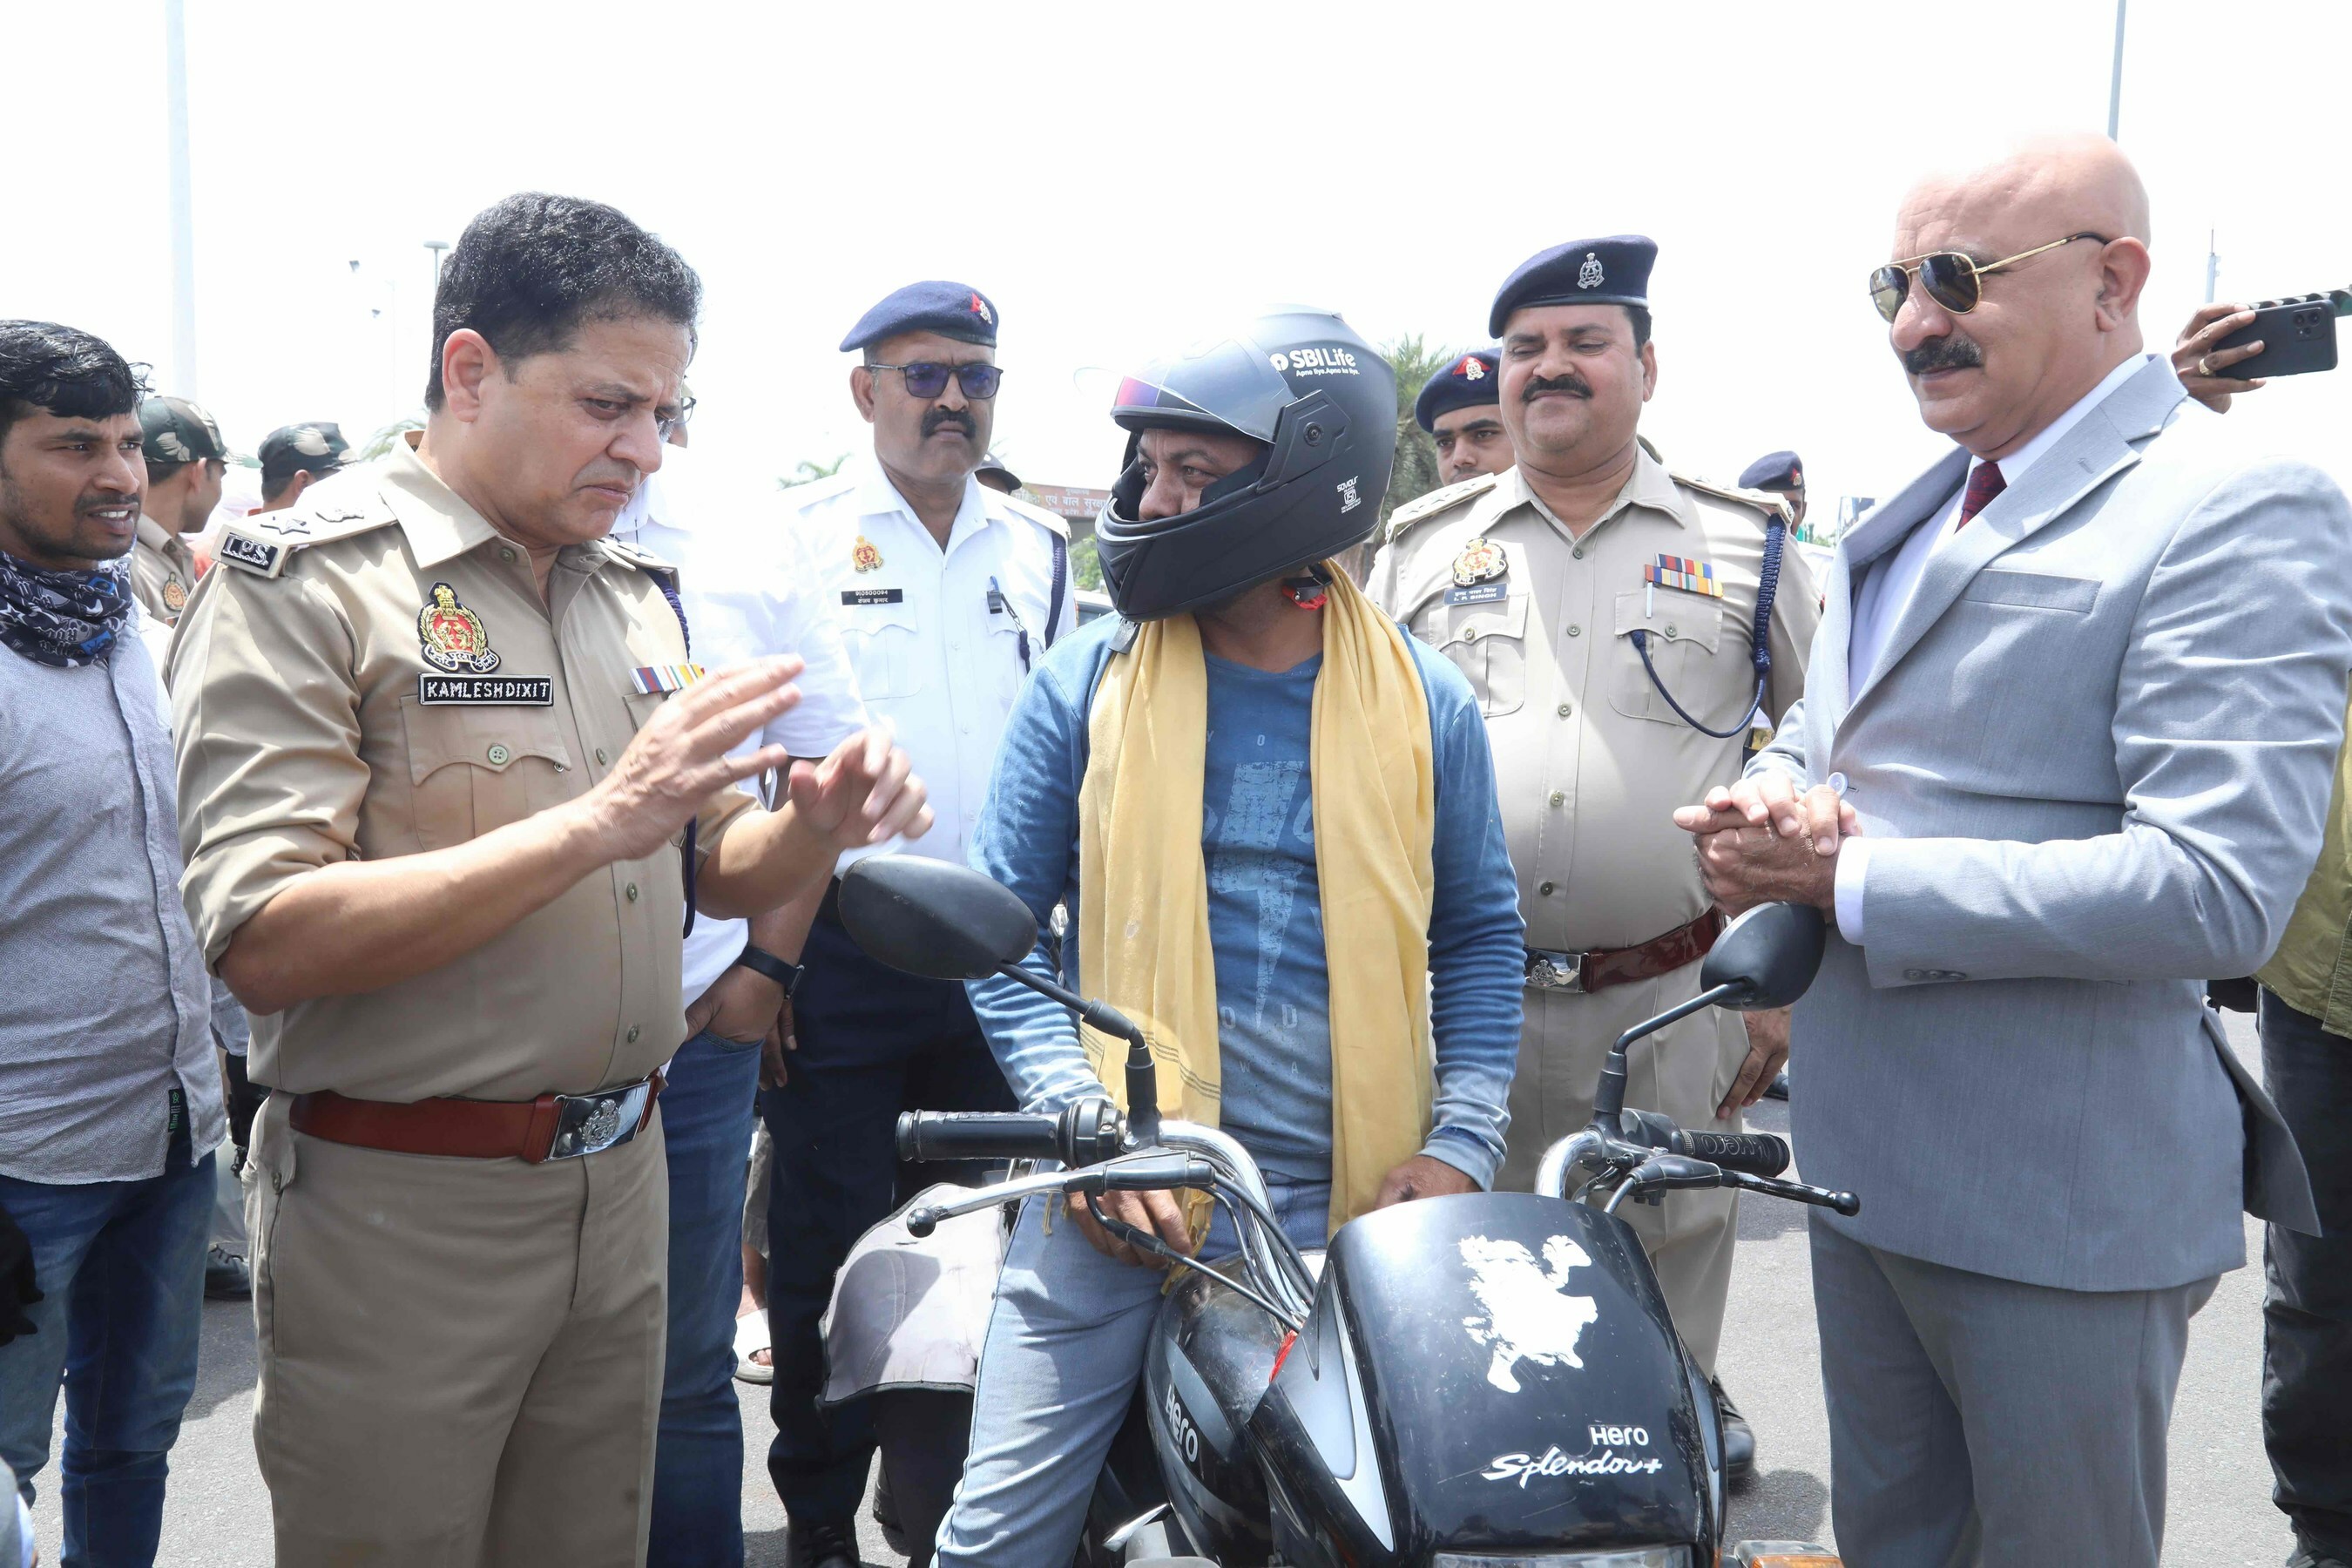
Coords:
pixel 748 593
pixel 937 636
pixel 1888 592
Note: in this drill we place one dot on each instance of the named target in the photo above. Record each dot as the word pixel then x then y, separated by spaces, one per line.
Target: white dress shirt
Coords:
pixel 937 636
pixel 1887 590
pixel 747 593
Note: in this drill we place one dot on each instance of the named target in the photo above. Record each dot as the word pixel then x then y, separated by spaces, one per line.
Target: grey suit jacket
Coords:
pixel 2093 758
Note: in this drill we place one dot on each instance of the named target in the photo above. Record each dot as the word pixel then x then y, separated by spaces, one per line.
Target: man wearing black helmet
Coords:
pixel 1302 797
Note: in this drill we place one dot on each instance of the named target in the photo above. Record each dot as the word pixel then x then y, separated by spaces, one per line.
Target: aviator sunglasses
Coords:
pixel 927 380
pixel 1951 279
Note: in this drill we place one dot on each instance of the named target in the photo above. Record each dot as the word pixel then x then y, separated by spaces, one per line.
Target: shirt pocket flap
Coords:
pixel 494 737
pixel 1670 615
pixel 2034 591
pixel 1466 624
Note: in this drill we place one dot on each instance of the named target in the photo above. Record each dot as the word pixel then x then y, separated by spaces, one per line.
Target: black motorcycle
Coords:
pixel 1465 1382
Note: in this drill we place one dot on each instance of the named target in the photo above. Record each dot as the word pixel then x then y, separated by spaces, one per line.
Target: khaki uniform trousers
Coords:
pixel 1683 1071
pixel 461 1360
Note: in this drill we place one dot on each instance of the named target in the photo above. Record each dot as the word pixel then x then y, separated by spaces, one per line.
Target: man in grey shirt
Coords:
pixel 109 1097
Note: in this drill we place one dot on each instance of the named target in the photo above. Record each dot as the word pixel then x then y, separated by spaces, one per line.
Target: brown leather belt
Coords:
pixel 552 1126
pixel 1605 966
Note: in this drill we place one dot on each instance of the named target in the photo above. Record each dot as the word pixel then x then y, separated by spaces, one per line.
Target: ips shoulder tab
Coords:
pixel 265 543
pixel 1421 508
pixel 1762 501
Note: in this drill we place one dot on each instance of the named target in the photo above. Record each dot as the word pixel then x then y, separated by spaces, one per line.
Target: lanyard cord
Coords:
pixel 1759 649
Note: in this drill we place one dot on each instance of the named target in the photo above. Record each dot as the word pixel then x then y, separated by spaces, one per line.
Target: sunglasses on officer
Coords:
pixel 927 380
pixel 1953 281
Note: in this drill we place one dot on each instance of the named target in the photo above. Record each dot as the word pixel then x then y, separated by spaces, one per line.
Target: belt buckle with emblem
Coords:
pixel 453 637
pixel 592 1123
pixel 1555 971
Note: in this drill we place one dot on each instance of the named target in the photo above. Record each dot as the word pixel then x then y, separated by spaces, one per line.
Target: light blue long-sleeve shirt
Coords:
pixel 1265 907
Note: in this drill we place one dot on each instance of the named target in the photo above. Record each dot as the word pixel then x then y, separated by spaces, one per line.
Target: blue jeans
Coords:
pixel 121 1266
pixel 1058 1373
pixel 707 1111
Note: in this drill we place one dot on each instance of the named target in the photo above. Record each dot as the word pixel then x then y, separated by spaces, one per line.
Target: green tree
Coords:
pixel 377 445
pixel 1414 360
pixel 808 473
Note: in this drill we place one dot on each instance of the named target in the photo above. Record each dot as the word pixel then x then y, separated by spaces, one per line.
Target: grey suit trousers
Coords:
pixel 1976 1420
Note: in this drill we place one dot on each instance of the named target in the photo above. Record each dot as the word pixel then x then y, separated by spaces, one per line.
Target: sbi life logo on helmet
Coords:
pixel 1315 362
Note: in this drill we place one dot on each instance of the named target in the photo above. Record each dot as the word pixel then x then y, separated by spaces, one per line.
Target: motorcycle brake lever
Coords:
pixel 1145 1242
pixel 1795 1192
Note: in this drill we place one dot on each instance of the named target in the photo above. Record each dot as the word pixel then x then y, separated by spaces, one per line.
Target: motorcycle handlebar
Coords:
pixel 1086 1133
pixel 1755 1153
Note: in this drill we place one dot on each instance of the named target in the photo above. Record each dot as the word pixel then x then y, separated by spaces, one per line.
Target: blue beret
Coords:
pixel 1465 383
pixel 955 311
pixel 1773 471
pixel 1612 272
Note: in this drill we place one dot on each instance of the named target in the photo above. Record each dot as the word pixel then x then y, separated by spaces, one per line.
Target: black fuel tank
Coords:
pixel 1204 1374
pixel 1493 1371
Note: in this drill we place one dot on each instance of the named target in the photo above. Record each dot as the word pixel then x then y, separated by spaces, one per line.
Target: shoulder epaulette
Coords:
pixel 639 556
pixel 263 541
pixel 1428 506
pixel 1762 501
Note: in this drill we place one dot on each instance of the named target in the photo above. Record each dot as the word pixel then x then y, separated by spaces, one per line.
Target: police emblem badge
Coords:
pixel 602 1127
pixel 979 308
pixel 1481 561
pixel 1589 275
pixel 1472 368
pixel 175 598
pixel 453 636
pixel 863 556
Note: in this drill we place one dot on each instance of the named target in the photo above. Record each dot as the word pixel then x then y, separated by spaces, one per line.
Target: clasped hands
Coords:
pixel 1761 841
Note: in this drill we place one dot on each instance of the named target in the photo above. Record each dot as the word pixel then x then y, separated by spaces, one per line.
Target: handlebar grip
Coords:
pixel 978 1135
pixel 1757 1154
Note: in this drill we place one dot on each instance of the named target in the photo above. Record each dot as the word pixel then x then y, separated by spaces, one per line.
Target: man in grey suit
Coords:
pixel 2064 752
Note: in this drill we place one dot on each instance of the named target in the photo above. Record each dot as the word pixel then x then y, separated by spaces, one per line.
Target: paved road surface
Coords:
pixel 2220 1513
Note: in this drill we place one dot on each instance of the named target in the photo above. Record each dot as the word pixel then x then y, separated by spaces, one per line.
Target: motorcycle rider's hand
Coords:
pixel 1423 1176
pixel 1161 1211
pixel 1768 1053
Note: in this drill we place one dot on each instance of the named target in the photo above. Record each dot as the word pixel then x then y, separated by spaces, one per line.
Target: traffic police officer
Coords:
pixel 296 456
pixel 1778 473
pixel 1457 407
pixel 187 461
pixel 445 772
pixel 1605 610
pixel 947 593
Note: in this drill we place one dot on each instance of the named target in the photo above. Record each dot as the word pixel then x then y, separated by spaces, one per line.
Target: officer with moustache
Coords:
pixel 1619 623
pixel 947 592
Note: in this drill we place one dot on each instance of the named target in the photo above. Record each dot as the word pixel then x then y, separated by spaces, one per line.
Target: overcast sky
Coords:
pixel 1119 177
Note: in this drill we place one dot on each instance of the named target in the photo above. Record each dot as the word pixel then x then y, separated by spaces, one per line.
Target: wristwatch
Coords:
pixel 760 961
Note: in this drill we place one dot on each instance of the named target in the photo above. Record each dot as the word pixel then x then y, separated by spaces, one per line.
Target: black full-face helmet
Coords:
pixel 1322 404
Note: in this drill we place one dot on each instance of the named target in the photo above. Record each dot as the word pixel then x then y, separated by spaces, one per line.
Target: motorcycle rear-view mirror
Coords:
pixel 1768 956
pixel 930 918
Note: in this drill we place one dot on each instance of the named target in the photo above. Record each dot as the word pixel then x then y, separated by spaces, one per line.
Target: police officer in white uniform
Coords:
pixel 947 593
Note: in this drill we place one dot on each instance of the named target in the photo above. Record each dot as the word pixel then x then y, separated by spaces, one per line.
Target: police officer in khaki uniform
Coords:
pixel 187 461
pixel 447 774
pixel 1605 610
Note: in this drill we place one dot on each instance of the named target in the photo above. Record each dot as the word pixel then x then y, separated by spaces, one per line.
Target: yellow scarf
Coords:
pixel 1143 892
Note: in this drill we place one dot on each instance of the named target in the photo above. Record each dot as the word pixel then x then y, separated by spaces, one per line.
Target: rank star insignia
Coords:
pixel 1481 561
pixel 863 556
pixel 1589 275
pixel 175 598
pixel 1472 369
pixel 453 636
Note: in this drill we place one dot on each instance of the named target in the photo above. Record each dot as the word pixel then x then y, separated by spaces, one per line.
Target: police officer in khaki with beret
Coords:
pixel 186 462
pixel 1607 611
pixel 447 779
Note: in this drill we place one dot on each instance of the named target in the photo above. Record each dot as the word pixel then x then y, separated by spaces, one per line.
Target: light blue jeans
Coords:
pixel 1058 1373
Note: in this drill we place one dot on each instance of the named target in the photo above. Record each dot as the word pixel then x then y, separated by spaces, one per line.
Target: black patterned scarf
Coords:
pixel 63 619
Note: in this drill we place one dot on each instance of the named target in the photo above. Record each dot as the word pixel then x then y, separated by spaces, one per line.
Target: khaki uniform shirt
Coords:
pixel 373 673
pixel 162 570
pixel 1590 759
pixel 2312 970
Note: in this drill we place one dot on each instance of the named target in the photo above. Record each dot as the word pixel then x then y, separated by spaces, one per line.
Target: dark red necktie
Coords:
pixel 1984 484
